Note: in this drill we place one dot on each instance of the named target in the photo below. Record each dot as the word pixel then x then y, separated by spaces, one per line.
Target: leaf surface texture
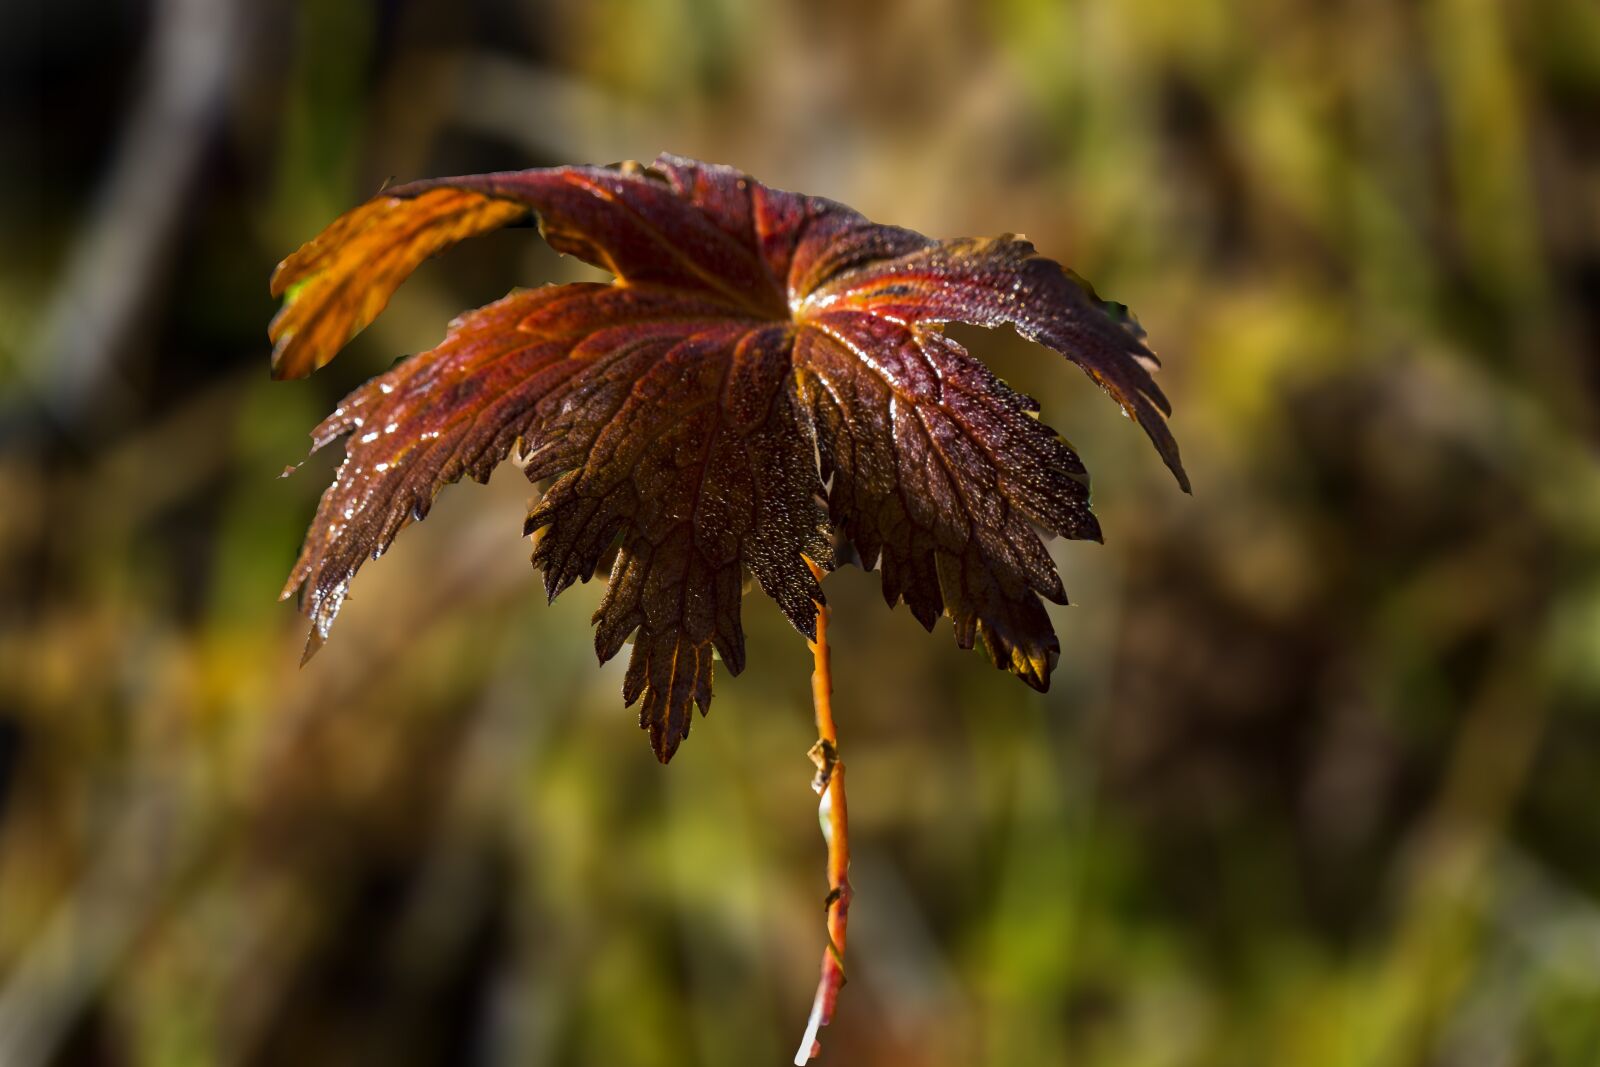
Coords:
pixel 766 371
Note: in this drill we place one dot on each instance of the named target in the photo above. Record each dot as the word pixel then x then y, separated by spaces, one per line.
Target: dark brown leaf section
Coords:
pixel 939 475
pixel 693 451
pixel 1004 282
pixel 456 410
pixel 678 414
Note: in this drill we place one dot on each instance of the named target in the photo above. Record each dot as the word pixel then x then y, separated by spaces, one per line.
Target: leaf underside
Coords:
pixel 766 369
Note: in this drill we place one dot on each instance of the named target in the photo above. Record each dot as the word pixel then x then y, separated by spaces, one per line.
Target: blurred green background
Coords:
pixel 1318 781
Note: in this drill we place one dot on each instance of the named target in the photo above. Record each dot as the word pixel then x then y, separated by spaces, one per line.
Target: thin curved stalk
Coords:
pixel 833 814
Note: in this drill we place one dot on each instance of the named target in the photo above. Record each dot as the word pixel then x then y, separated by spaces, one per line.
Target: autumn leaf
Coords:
pixel 679 413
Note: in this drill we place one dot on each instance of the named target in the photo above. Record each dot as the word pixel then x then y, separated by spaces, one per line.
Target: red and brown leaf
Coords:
pixel 679 412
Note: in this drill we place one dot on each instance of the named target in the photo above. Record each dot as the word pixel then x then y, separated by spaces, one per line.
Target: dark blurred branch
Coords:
pixel 118 263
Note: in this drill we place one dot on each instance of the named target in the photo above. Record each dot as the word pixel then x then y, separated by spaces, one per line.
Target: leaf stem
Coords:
pixel 833 814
